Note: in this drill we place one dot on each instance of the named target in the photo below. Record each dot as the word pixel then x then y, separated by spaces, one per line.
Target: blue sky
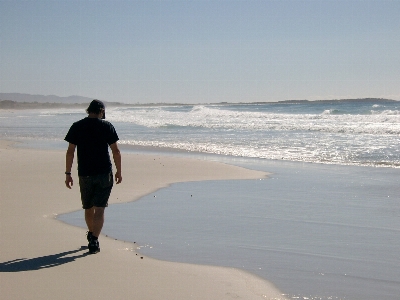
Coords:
pixel 199 51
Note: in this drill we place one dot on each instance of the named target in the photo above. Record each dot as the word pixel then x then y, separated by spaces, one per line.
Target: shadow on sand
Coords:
pixel 43 262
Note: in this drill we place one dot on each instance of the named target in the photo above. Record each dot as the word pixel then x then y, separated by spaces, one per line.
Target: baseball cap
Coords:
pixel 95 106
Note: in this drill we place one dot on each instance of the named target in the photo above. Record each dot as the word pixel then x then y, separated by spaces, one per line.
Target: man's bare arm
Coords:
pixel 69 159
pixel 117 161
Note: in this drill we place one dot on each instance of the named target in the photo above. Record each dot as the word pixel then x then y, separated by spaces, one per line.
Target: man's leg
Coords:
pixel 94 218
pixel 89 214
pixel 98 220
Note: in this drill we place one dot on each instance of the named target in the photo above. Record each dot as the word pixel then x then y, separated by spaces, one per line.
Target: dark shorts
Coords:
pixel 95 190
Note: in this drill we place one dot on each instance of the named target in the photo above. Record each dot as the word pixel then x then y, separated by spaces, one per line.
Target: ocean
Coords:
pixel 345 133
pixel 325 225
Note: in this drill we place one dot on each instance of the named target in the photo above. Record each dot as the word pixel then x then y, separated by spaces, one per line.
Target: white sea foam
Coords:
pixel 386 112
pixel 325 137
pixel 387 122
pixel 327 152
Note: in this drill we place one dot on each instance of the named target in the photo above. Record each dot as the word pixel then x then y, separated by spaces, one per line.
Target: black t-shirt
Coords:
pixel 92 136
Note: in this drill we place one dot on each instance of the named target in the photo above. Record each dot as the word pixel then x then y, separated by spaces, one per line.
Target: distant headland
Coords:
pixel 27 101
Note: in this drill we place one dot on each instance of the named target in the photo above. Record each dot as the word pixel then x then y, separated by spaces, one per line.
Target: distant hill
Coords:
pixel 27 101
pixel 43 99
pixel 9 104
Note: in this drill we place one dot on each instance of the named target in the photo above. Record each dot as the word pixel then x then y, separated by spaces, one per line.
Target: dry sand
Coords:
pixel 42 258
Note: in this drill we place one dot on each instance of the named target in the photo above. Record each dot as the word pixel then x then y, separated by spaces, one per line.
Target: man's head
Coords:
pixel 96 107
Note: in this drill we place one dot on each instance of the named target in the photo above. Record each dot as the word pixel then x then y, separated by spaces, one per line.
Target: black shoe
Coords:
pixel 94 246
pixel 89 236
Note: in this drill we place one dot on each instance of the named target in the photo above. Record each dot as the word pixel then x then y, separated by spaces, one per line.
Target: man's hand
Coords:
pixel 69 182
pixel 69 159
pixel 117 160
pixel 118 177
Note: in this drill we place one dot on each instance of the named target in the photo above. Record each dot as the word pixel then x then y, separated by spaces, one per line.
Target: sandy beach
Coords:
pixel 43 258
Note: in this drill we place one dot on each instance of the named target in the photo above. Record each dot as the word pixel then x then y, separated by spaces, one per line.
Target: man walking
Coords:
pixel 92 136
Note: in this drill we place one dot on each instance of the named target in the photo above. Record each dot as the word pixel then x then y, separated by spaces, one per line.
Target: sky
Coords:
pixel 201 51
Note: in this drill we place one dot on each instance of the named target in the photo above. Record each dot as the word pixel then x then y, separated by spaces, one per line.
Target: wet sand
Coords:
pixel 43 258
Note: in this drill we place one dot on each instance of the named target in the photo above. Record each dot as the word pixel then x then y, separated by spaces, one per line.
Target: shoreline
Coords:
pixel 41 257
